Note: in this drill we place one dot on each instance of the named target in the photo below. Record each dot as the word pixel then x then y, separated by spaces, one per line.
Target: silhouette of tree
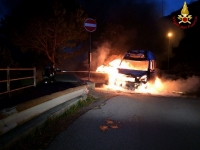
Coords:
pixel 47 27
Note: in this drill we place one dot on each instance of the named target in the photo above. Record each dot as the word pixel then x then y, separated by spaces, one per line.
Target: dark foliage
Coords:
pixel 45 28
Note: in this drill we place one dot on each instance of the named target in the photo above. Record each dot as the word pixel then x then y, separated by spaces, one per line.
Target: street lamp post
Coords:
pixel 169 35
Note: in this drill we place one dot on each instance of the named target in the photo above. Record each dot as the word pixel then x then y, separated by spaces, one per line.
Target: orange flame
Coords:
pixel 112 71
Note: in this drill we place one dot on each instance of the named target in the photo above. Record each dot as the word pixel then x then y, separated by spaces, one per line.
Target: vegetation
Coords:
pixel 5 57
pixel 47 32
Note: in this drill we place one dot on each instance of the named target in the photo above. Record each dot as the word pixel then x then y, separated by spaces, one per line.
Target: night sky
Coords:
pixel 165 6
pixel 170 6
pixel 5 6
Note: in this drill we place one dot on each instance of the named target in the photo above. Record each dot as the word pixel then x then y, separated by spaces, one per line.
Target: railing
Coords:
pixel 87 74
pixel 9 79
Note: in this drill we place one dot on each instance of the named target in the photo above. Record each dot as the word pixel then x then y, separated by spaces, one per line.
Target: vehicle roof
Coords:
pixel 149 55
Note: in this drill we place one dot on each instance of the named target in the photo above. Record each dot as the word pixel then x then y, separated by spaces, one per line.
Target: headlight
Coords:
pixel 143 78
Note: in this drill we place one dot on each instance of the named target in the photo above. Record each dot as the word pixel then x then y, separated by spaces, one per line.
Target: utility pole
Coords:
pixel 89 58
pixel 162 7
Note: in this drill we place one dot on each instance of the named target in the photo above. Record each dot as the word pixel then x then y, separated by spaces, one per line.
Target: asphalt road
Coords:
pixel 135 121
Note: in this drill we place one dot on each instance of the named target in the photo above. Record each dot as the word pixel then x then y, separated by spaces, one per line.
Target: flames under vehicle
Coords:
pixel 136 68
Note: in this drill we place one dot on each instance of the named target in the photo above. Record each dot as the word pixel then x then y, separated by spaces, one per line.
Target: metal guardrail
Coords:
pixel 86 75
pixel 9 80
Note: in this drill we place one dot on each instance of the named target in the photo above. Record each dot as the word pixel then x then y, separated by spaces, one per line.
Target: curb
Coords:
pixel 30 125
pixel 21 122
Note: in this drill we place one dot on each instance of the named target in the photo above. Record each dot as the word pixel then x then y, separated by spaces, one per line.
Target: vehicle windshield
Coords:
pixel 135 65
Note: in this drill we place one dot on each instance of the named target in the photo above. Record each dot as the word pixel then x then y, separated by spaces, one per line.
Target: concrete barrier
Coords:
pixel 91 84
pixel 26 111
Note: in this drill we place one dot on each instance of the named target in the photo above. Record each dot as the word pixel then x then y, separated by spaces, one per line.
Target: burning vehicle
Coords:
pixel 136 68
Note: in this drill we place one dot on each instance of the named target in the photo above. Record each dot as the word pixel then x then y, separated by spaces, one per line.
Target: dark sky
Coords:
pixel 167 5
pixel 5 6
pixel 170 6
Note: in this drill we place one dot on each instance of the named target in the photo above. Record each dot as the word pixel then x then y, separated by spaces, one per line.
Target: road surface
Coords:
pixel 135 121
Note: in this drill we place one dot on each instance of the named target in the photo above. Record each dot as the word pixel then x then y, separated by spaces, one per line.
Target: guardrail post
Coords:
pixel 34 75
pixel 8 81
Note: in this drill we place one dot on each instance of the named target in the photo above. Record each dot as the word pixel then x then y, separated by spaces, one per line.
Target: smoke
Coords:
pixel 135 25
pixel 141 28
pixel 189 85
pixel 100 55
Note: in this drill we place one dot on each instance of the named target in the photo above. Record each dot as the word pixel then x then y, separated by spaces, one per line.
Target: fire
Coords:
pixel 112 71
pixel 112 66
pixel 156 86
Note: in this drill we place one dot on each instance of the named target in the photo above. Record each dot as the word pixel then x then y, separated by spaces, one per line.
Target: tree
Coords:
pixel 5 58
pixel 48 32
pixel 5 55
